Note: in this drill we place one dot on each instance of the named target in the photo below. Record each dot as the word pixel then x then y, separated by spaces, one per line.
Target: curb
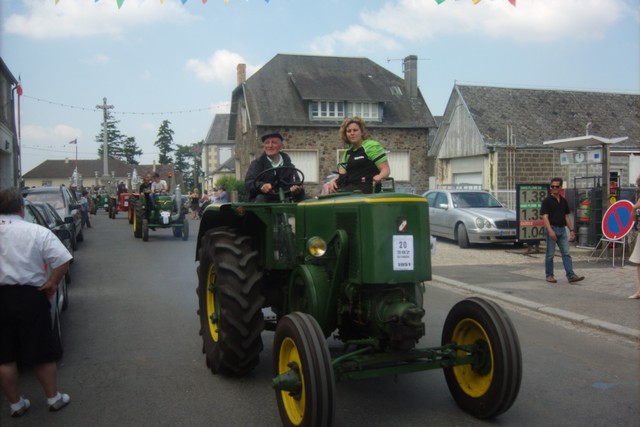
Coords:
pixel 545 309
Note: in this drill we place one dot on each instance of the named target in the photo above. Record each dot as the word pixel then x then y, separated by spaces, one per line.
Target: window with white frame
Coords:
pixel 365 110
pixel 327 110
pixel 307 162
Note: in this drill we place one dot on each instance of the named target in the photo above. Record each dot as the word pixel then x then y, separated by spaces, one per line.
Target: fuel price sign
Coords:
pixel 529 198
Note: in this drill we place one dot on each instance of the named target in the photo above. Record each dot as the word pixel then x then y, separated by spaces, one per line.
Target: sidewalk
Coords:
pixel 599 301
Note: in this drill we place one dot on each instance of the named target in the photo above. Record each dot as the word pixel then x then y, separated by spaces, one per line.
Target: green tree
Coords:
pixel 231 183
pixel 115 138
pixel 165 142
pixel 131 150
pixel 186 156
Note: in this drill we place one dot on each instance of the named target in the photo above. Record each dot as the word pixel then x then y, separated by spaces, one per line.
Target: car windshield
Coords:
pixel 54 199
pixel 474 200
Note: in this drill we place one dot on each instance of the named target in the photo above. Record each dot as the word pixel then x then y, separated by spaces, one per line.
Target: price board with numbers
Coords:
pixel 529 198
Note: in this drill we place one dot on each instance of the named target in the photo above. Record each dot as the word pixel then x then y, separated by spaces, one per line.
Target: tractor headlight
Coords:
pixel 316 246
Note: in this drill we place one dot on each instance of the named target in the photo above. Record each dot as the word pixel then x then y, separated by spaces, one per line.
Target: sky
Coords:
pixel 159 60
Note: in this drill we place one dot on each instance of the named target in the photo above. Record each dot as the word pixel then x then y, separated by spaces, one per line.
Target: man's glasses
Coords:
pixel 555 186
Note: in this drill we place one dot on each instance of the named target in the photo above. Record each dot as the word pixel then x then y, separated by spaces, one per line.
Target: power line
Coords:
pixel 142 113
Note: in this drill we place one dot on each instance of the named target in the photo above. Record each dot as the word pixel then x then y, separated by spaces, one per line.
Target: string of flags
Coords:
pixel 121 2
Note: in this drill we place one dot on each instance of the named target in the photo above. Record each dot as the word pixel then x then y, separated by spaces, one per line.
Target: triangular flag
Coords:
pixel 439 1
pixel 75 141
pixel 184 1
pixel 513 2
pixel 120 3
pixel 476 1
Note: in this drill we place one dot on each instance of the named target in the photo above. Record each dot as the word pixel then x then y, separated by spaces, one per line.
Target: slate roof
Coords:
pixel 218 131
pixel 87 168
pixel 277 93
pixel 542 115
pixel 228 166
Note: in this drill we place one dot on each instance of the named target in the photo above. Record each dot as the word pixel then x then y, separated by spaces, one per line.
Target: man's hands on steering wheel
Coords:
pixel 289 186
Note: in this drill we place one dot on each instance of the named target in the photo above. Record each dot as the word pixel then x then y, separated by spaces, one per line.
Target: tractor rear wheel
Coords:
pixel 302 360
pixel 145 230
pixel 230 302
pixel 138 215
pixel 185 229
pixel 489 386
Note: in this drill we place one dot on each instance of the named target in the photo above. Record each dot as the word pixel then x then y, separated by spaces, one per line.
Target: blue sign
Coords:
pixel 618 220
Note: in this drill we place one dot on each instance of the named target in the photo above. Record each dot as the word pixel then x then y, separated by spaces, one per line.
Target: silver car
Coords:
pixel 470 216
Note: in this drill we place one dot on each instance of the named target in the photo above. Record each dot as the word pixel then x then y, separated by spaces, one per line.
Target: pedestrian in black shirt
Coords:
pixel 557 220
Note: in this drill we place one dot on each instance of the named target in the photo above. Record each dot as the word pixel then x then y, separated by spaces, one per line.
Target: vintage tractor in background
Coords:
pixel 119 203
pixel 350 267
pixel 166 211
pixel 101 200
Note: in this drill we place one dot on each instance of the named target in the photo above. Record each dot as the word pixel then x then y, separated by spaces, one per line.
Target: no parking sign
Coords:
pixel 618 220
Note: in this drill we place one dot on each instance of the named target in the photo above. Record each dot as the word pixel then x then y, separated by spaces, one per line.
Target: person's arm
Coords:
pixel 384 169
pixel 51 285
pixel 572 233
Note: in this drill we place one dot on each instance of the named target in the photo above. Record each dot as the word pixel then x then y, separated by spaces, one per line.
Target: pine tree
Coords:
pixel 114 138
pixel 130 150
pixel 185 160
pixel 164 143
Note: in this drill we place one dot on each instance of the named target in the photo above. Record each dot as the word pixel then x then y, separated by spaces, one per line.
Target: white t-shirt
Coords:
pixel 159 186
pixel 28 251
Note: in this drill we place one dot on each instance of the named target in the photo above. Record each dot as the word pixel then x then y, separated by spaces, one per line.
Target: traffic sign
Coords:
pixel 618 220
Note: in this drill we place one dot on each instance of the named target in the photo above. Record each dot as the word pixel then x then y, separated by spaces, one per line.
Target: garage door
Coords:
pixel 469 180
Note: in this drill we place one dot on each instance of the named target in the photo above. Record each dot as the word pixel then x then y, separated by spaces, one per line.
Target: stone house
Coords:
pixel 493 137
pixel 306 98
pixel 9 148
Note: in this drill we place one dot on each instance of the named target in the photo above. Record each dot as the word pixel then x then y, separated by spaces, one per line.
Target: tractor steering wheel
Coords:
pixel 278 182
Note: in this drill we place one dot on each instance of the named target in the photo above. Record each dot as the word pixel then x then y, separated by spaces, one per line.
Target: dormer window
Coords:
pixel 326 110
pixel 366 110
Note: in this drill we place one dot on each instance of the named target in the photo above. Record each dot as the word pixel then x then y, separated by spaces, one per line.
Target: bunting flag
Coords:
pixel 476 1
pixel 75 141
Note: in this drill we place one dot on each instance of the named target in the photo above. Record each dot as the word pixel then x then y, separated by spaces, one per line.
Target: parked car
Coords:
pixel 60 300
pixel 64 203
pixel 470 216
pixel 56 224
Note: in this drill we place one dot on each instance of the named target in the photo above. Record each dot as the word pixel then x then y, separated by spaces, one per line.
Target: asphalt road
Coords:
pixel 133 357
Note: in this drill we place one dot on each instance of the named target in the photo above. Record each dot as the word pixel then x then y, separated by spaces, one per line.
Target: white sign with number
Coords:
pixel 402 253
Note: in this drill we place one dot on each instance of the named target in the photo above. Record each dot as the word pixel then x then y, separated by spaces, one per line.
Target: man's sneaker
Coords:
pixel 61 401
pixel 575 278
pixel 15 413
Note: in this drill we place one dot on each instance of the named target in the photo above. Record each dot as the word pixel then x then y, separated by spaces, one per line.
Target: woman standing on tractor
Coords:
pixel 364 163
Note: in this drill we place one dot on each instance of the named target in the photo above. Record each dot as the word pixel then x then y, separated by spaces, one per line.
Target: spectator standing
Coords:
pixel 635 254
pixel 26 334
pixel 557 220
pixel 224 197
pixel 84 210
pixel 195 203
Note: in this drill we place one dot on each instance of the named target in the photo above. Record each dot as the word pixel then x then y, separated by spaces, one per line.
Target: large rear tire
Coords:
pixel 230 302
pixel 145 230
pixel 185 229
pixel 300 348
pixel 138 216
pixel 489 386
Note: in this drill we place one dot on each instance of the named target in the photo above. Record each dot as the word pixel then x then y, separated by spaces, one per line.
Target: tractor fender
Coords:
pixel 214 216
pixel 310 291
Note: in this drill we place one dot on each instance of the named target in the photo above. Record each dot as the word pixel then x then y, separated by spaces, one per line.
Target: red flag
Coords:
pixel 19 87
pixel 75 141
pixel 513 2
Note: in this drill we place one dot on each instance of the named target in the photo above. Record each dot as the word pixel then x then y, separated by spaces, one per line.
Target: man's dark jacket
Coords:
pixel 261 164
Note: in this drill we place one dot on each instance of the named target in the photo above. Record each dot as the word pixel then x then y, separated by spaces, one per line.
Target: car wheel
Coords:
pixel 463 237
pixel 80 237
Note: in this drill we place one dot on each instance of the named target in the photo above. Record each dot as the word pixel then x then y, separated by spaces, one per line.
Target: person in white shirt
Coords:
pixel 27 251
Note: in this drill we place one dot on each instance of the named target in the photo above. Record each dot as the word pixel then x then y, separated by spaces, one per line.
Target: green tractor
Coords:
pixel 165 211
pixel 350 267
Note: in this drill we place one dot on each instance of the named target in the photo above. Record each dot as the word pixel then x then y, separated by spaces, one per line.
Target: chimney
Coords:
pixel 410 68
pixel 241 72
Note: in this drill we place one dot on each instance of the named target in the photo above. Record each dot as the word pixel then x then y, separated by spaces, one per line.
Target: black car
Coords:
pixel 56 224
pixel 60 301
pixel 64 203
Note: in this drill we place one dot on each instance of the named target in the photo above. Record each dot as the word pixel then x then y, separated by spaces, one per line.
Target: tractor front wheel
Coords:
pixel 230 302
pixel 138 215
pixel 185 229
pixel 303 374
pixel 488 386
pixel 145 230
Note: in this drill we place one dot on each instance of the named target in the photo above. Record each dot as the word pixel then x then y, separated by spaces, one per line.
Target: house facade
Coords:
pixel 9 148
pixel 306 98
pixel 218 152
pixel 494 137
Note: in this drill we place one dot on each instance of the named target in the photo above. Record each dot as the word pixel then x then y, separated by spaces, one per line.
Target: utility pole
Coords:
pixel 105 146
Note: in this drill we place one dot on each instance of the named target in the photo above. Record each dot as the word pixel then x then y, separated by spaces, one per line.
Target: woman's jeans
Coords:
pixel 563 243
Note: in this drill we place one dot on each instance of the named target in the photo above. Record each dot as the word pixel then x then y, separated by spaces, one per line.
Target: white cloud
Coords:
pixel 80 18
pixel 98 59
pixel 220 67
pixel 60 133
pixel 355 38
pixel 530 21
